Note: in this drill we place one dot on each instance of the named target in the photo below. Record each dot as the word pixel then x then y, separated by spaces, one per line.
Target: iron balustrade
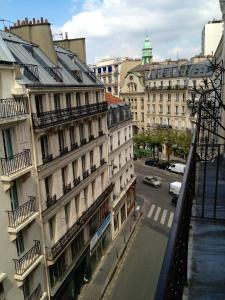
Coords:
pixel 67 188
pixel 13 107
pixel 47 158
pixel 23 263
pixel 30 71
pixel 22 213
pixel 93 168
pixel 55 250
pixel 63 151
pixel 36 294
pixel 74 146
pixel 173 274
pixel 76 181
pixel 85 174
pixel 83 141
pixel 51 200
pixel 102 161
pixel 91 137
pixel 100 132
pixel 55 72
pixel 54 117
pixel 16 162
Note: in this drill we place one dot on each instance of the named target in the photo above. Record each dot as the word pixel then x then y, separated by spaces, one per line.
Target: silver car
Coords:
pixel 152 180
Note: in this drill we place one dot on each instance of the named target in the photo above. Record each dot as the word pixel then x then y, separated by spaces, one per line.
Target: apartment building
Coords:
pixel 121 166
pixel 55 182
pixel 211 35
pixel 160 98
pixel 112 72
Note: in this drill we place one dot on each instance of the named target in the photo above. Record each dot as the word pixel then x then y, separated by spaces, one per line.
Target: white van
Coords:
pixel 174 188
pixel 177 168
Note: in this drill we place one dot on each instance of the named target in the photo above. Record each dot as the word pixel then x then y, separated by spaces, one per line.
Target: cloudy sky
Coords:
pixel 119 27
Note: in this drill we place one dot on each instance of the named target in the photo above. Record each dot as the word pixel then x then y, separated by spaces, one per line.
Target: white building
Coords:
pixel 211 35
pixel 121 166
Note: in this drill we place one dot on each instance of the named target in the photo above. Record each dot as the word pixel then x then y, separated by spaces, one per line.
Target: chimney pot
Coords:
pixel 34 21
pixel 66 35
pixel 42 20
pixel 26 21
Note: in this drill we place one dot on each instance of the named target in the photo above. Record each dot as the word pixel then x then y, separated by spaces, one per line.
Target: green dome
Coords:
pixel 146 52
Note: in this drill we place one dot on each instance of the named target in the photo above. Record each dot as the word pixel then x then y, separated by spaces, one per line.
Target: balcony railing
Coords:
pixel 67 188
pixel 54 117
pixel 85 174
pixel 30 71
pixel 13 107
pixel 76 181
pixel 47 158
pixel 36 295
pixel 63 151
pixel 54 251
pixel 23 263
pixel 51 200
pixel 102 161
pixel 93 168
pixel 16 162
pixel 83 141
pixel 22 213
pixel 74 146
pixel 55 72
pixel 91 137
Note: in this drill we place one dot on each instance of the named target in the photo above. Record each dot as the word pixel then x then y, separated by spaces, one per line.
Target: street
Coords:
pixel 137 274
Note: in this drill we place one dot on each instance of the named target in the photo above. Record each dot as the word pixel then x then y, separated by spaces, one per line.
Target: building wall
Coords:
pixel 211 35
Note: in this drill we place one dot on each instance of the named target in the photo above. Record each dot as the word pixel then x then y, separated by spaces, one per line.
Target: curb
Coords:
pixel 114 268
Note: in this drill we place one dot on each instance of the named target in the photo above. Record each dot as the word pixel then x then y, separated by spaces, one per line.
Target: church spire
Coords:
pixel 146 52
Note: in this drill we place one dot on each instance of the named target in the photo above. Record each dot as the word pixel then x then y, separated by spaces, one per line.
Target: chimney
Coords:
pixel 37 32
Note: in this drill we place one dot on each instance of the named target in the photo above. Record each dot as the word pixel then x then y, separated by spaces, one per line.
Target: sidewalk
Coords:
pixel 95 289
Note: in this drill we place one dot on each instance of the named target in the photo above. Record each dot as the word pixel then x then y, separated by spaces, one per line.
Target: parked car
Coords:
pixel 174 201
pixel 174 188
pixel 152 180
pixel 177 168
pixel 163 164
pixel 151 162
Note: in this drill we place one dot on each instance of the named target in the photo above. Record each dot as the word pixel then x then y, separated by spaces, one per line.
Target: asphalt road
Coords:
pixel 137 274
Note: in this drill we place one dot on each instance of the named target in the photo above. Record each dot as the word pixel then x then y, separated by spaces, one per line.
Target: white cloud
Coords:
pixel 118 28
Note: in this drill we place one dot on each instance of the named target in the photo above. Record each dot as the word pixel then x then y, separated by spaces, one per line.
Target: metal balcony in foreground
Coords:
pixel 13 107
pixel 54 117
pixel 16 163
pixel 53 252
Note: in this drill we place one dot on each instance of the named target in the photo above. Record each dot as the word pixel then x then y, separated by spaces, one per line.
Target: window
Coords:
pixel 161 84
pixel 89 128
pixel 38 104
pixel 111 143
pixel 86 97
pixel 86 197
pixel 178 83
pixel 68 100
pixel 168 109
pixel 14 196
pixel 154 97
pixel 160 109
pixel 81 127
pixel 19 243
pixel 177 96
pixel 57 102
pixel 183 110
pixel 72 135
pixel 102 180
pixel 183 97
pixel 77 205
pixel 142 117
pixel 93 189
pixel 118 134
pixel 74 166
pixel 161 97
pixel 67 214
pixel 125 133
pixel 120 164
pixel 101 152
pixel 83 162
pixel 56 270
pixel 52 225
pixel 169 97
pixel 170 83
pixel 99 124
pixel 48 186
pixel 78 99
pixel 97 97
pixel 174 71
pixel 176 110
pixel 64 172
pixel 61 139
pixel 153 108
pixel 91 158
pixel 44 146
pixel 26 288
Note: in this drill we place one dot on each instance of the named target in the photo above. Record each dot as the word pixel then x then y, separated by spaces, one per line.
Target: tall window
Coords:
pixel 61 139
pixel 86 197
pixel 78 99
pixel 75 168
pixel 169 97
pixel 99 124
pixel 72 135
pixel 81 127
pixel 91 158
pixel 83 162
pixel 77 205
pixel 89 128
pixel 161 97
pixel 44 146
pixel 97 97
pixel 176 110
pixel 48 186
pixel 57 102
pixel 39 104
pixel 177 96
pixel 118 138
pixel 52 225
pixel 101 152
pixel 68 100
pixel 64 172
pixel 19 243
pixel 86 97
pixel 67 214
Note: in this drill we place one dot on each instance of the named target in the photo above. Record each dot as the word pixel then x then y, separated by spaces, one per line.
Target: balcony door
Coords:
pixel 7 141
pixel 39 104
pixel 57 102
pixel 19 243
pixel 14 196
pixel 44 146
pixel 61 139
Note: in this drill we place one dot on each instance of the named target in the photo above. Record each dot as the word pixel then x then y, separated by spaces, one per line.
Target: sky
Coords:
pixel 118 28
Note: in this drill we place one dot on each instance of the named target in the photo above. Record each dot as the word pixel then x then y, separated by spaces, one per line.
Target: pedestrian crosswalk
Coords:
pixel 163 216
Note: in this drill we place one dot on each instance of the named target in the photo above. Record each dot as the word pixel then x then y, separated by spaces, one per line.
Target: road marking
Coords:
pixel 170 220
pixel 151 211
pixel 163 216
pixel 157 213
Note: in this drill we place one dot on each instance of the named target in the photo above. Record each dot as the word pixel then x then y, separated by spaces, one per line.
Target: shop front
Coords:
pixel 100 242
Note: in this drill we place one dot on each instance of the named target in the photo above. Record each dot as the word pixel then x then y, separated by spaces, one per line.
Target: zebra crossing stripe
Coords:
pixel 163 216
pixel 157 213
pixel 151 211
pixel 170 220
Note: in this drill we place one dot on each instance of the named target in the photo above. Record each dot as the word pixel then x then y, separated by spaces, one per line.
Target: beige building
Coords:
pixel 55 188
pixel 211 36
pixel 121 165
pixel 112 72
pixel 158 93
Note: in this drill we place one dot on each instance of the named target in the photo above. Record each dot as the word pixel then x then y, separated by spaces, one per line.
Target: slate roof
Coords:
pixel 15 49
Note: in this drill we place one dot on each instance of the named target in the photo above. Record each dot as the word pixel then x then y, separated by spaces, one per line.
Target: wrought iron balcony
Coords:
pixel 91 137
pixel 22 213
pixel 16 163
pixel 100 132
pixel 54 117
pixel 51 200
pixel 22 264
pixel 85 174
pixel 30 71
pixel 63 151
pixel 55 72
pixel 54 251
pixel 93 168
pixel 36 294
pixel 102 161
pixel 67 188
pixel 13 107
pixel 76 181
pixel 74 146
pixel 47 158
pixel 83 141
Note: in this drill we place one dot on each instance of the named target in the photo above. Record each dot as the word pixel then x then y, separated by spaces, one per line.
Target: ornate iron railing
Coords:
pixel 16 162
pixel 13 107
pixel 51 200
pixel 55 72
pixel 23 263
pixel 54 251
pixel 63 151
pixel 47 158
pixel 67 188
pixel 54 117
pixel 36 295
pixel 22 213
